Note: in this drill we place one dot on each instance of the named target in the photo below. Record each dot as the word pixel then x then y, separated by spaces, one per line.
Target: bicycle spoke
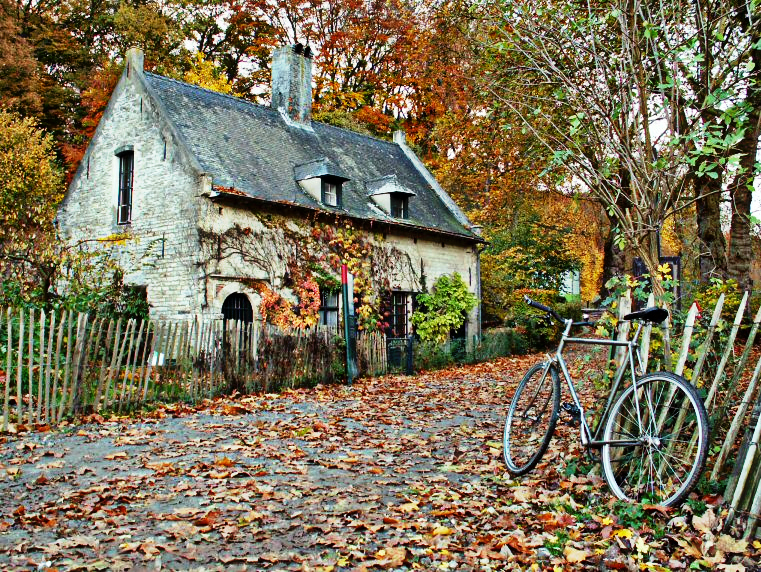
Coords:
pixel 663 413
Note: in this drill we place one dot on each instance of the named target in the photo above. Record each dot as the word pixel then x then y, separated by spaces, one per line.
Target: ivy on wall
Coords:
pixel 302 258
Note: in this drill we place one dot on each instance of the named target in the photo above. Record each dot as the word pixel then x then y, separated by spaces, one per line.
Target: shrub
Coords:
pixel 444 309
pixel 538 330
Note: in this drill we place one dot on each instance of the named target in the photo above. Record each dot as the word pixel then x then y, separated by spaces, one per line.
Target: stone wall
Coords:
pixel 417 260
pixel 161 246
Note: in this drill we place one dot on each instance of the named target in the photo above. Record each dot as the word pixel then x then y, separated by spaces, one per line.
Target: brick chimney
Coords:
pixel 292 83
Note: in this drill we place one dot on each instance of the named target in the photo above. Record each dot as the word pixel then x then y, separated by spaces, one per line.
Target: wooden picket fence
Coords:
pixel 717 368
pixel 58 365
pixel 371 353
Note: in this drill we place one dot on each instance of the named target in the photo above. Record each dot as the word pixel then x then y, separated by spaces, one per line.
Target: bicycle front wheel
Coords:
pixel 531 418
pixel 656 441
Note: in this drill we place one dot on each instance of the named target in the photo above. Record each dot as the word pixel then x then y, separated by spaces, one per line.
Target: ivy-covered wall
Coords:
pixel 282 259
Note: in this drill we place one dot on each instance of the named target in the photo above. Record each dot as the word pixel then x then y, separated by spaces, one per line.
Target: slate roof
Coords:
pixel 251 149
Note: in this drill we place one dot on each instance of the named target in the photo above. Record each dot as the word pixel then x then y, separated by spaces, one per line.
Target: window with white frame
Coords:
pixel 331 192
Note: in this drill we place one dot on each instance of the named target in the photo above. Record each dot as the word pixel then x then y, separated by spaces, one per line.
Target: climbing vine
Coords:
pixel 308 256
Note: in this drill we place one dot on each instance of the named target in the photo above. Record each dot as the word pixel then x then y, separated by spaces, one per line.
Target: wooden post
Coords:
pixel 116 362
pixel 624 308
pixel 67 365
pixel 134 361
pixel 40 388
pixel 80 363
pixel 102 376
pixel 158 330
pixel 58 342
pixel 729 394
pixel 193 349
pixel 30 366
pixel 727 352
pixel 734 428
pixel 8 362
pixel 48 366
pixel 131 335
pixel 91 355
pixel 19 363
pixel 689 326
pixel 706 346
pixel 746 467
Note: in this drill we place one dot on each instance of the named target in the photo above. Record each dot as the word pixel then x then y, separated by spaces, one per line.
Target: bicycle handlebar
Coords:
pixel 553 313
pixel 543 308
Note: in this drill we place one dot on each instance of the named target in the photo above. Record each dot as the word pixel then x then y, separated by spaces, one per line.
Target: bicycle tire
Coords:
pixel 531 419
pixel 671 433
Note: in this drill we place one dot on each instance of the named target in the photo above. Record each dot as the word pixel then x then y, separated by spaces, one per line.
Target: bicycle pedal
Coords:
pixel 574 413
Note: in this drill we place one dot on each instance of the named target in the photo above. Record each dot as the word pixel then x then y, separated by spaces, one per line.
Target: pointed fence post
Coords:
pixel 705 348
pixel 6 402
pixel 689 326
pixel 727 352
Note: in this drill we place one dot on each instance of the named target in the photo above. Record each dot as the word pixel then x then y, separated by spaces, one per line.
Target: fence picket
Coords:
pixel 67 367
pixel 30 365
pixel 729 348
pixel 148 367
pixel 102 376
pixel 48 363
pixel 7 396
pixel 193 348
pixel 79 363
pixel 41 368
pixel 734 428
pixel 113 371
pixel 739 367
pixel 131 336
pixel 91 355
pixel 689 326
pixel 135 360
pixel 706 346
pixel 57 367
pixel 19 364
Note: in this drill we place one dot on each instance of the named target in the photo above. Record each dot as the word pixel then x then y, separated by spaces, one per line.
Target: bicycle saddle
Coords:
pixel 654 315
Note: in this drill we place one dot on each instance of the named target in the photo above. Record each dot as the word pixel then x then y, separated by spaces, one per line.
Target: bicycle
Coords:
pixel 653 437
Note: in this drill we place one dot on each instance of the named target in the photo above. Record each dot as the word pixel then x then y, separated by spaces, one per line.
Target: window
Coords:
pixel 399 314
pixel 126 170
pixel 237 307
pixel 329 309
pixel 399 205
pixel 331 192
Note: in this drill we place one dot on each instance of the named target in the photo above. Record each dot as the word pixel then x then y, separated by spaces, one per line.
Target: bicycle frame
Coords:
pixel 632 350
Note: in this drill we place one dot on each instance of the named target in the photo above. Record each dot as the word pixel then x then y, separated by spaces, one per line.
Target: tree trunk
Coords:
pixel 613 263
pixel 713 246
pixel 740 241
pixel 648 252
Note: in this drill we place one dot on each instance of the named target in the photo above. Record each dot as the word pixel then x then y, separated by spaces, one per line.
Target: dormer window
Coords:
pixel 391 196
pixel 331 192
pixel 322 180
pixel 400 205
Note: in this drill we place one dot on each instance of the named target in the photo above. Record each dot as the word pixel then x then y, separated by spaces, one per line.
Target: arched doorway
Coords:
pixel 237 307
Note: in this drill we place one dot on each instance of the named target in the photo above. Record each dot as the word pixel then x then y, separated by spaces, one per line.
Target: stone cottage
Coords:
pixel 220 204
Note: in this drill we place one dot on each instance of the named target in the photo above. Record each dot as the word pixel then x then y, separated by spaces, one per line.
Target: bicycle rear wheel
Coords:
pixel 663 427
pixel 531 418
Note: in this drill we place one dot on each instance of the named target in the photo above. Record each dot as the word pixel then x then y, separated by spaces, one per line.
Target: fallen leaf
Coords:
pixel 574 555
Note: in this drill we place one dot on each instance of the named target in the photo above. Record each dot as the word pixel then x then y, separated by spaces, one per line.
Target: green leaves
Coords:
pixel 444 309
